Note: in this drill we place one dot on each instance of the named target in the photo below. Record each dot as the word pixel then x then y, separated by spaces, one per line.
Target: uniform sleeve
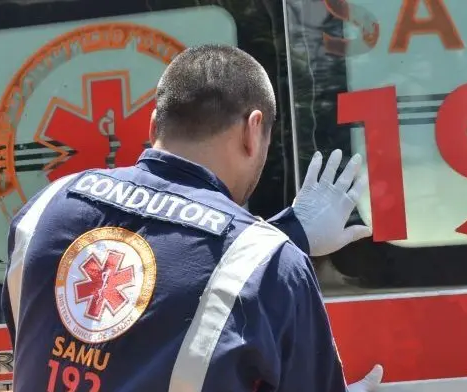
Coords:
pixel 5 300
pixel 309 361
pixel 287 222
pixel 7 288
pixel 276 338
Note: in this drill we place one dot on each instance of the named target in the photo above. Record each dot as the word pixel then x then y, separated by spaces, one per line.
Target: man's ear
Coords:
pixel 253 133
pixel 152 128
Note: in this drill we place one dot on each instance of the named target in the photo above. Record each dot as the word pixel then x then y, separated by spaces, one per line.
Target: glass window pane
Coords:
pixel 77 81
pixel 386 79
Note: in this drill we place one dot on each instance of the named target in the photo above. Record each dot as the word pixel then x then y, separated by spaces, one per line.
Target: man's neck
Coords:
pixel 207 154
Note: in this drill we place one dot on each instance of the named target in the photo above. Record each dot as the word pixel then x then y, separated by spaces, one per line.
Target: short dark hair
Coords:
pixel 209 88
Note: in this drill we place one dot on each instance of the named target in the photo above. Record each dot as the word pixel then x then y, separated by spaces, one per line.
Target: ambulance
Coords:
pixel 386 79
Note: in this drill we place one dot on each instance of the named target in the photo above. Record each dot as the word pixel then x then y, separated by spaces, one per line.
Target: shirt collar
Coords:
pixel 152 157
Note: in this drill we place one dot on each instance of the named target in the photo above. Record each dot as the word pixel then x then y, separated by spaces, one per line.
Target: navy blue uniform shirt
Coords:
pixel 150 278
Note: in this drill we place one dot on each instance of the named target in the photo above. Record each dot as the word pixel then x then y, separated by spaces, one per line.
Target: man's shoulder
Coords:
pixel 290 269
pixel 292 265
pixel 133 192
pixel 42 198
pixel 288 257
pixel 282 285
pixel 287 267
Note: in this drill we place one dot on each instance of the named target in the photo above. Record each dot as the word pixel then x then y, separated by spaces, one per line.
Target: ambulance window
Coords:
pixel 69 68
pixel 368 79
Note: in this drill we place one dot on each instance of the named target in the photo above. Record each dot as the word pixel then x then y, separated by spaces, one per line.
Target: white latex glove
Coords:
pixel 324 207
pixel 370 383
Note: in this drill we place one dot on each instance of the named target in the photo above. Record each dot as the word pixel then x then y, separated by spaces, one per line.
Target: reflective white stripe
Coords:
pixel 252 248
pixel 445 385
pixel 24 232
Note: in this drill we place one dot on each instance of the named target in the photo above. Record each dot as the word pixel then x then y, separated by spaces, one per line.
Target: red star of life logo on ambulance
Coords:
pixel 104 284
pixel 109 129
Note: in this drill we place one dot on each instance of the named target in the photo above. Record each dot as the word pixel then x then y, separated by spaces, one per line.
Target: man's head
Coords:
pixel 218 98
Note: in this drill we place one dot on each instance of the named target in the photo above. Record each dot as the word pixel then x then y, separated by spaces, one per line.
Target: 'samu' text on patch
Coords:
pixel 149 202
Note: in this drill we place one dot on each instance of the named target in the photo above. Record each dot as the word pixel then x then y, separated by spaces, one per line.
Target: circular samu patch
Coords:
pixel 104 283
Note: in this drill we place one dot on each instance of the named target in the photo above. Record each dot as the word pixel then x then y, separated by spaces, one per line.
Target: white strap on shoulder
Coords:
pixel 252 248
pixel 23 234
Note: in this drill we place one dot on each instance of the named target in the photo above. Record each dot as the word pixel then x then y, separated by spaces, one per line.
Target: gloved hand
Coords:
pixel 324 207
pixel 370 383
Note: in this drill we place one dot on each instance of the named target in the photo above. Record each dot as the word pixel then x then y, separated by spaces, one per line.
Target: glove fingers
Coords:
pixel 311 177
pixel 330 170
pixel 350 173
pixel 357 189
pixel 355 233
pixel 373 379
pixel 370 383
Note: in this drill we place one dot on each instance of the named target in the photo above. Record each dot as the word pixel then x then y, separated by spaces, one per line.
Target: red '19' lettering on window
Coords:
pixel 377 109
pixel 451 135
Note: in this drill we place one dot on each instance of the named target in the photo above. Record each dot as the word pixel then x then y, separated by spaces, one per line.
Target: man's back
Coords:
pixel 159 282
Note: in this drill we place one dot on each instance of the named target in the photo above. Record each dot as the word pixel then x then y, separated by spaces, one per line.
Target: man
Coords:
pixel 153 278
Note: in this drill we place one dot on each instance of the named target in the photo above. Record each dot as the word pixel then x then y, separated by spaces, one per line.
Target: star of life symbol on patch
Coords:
pixel 104 283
